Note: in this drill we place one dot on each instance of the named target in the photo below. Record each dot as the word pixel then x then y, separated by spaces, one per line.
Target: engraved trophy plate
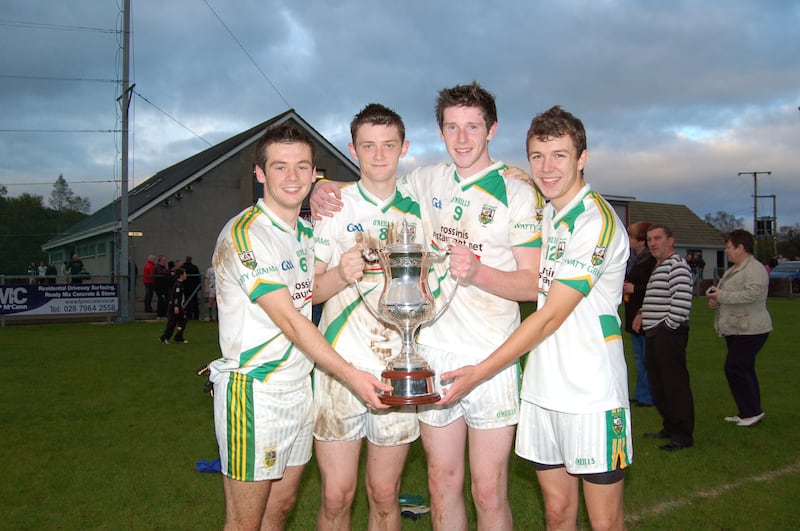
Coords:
pixel 406 303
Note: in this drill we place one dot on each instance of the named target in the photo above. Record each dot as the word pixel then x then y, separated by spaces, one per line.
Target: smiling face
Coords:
pixel 287 177
pixel 556 168
pixel 466 138
pixel 378 149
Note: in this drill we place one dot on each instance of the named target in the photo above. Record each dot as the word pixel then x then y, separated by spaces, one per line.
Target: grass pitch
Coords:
pixel 102 427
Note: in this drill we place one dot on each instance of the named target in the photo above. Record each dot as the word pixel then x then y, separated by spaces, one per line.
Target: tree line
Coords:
pixel 26 223
pixel 788 236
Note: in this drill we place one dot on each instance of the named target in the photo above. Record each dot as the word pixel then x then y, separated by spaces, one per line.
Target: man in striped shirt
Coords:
pixel 664 316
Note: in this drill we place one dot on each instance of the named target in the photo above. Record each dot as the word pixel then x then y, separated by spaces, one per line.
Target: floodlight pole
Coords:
pixel 755 175
pixel 124 271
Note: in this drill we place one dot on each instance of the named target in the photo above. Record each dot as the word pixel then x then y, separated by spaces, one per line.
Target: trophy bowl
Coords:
pixel 406 303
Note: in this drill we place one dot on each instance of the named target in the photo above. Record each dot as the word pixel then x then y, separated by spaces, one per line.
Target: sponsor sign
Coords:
pixel 58 299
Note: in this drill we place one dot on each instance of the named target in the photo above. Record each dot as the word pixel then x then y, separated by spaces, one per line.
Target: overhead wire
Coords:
pixel 239 43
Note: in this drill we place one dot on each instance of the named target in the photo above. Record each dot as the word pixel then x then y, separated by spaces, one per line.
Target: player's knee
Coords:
pixel 488 497
pixel 608 522
pixel 561 511
pixel 382 496
pixel 337 500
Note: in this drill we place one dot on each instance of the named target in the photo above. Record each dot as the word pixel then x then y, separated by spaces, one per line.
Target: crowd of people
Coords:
pixel 177 286
pixel 73 272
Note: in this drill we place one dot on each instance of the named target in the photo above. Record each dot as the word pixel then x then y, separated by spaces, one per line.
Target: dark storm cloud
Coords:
pixel 677 97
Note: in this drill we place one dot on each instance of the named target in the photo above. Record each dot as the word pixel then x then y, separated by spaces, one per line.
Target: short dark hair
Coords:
pixel 377 114
pixel 667 230
pixel 555 122
pixel 285 133
pixel 179 271
pixel 472 95
pixel 742 237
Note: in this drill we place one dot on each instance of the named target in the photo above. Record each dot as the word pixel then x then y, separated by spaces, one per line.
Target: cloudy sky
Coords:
pixel 677 97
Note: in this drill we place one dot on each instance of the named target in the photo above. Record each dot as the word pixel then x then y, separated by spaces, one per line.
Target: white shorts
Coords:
pixel 339 415
pixel 492 404
pixel 588 443
pixel 261 427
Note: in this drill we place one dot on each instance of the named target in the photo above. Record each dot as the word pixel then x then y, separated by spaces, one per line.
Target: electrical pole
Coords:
pixel 125 273
pixel 755 175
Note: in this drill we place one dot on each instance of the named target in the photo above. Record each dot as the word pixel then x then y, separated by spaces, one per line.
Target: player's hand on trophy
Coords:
pixel 457 383
pixel 367 387
pixel 326 198
pixel 351 264
pixel 464 265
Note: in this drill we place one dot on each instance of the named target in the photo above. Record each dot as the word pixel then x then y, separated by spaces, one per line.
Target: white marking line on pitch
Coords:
pixel 716 492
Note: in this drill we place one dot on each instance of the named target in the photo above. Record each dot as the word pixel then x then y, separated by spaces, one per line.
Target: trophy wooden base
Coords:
pixel 410 388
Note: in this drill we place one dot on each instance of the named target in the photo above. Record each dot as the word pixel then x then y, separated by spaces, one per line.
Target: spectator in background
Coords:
pixel 664 317
pixel 52 273
pixel 640 266
pixel 742 319
pixel 210 288
pixel 75 269
pixel 699 267
pixel 177 309
pixel 42 272
pixel 161 284
pixel 148 279
pixel 192 285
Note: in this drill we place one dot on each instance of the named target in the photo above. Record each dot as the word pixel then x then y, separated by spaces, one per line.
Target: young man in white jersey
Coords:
pixel 373 209
pixel 491 226
pixel 262 401
pixel 575 414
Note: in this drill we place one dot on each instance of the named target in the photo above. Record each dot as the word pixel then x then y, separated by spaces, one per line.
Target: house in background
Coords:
pixel 179 211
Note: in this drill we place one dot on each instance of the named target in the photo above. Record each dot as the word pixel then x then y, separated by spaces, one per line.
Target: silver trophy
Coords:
pixel 406 303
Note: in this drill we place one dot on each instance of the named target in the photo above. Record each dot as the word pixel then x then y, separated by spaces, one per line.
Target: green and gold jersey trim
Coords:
pixel 610 326
pixel 492 184
pixel 616 439
pixel 241 432
pixel 337 325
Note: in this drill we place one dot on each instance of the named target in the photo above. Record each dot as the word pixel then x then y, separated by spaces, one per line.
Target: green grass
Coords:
pixel 102 426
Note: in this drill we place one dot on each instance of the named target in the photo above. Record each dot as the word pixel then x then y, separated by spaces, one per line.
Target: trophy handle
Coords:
pixel 447 303
pixel 363 296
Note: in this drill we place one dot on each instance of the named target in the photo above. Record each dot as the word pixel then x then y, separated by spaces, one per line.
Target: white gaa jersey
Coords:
pixel 580 368
pixel 491 215
pixel 257 253
pixel 346 322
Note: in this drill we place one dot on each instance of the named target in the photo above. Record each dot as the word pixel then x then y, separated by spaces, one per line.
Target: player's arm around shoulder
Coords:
pixel 326 198
pixel 299 330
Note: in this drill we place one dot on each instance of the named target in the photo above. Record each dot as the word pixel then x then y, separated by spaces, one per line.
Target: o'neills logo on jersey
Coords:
pixel 487 214
pixel 270 456
pixel 599 255
pixel 248 259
